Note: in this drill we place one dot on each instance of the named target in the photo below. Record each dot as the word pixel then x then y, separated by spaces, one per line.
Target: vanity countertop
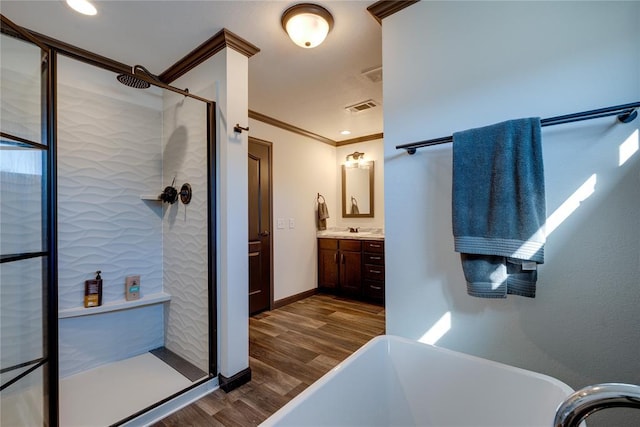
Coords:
pixel 372 234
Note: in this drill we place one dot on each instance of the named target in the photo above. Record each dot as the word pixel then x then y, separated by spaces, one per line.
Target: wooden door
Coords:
pixel 260 261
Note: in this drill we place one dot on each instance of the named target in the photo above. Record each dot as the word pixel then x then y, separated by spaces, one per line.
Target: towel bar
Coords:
pixel 626 113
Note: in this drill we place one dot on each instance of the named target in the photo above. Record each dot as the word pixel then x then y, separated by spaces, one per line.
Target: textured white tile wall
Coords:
pixel 185 258
pixel 109 153
pixel 20 229
pixel 20 88
pixel 21 306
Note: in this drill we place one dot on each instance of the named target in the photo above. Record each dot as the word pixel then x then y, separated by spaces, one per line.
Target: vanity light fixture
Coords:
pixel 355 155
pixel 84 7
pixel 357 158
pixel 307 24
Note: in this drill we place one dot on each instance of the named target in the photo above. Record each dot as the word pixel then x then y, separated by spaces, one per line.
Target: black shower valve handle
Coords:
pixel 169 195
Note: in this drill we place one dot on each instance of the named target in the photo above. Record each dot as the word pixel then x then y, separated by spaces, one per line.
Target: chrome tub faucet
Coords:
pixel 586 401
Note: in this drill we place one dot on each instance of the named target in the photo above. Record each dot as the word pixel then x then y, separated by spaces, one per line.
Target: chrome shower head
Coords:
pixel 132 81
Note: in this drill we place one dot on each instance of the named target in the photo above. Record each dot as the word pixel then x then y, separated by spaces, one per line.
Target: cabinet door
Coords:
pixel 374 290
pixel 350 271
pixel 328 268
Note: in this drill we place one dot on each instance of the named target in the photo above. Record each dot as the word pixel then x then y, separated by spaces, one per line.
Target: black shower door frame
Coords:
pixel 50 49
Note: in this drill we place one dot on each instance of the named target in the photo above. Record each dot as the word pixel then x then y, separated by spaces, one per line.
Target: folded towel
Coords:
pixel 323 214
pixel 499 207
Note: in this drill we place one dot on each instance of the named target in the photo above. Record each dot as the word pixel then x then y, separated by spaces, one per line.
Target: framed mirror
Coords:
pixel 357 190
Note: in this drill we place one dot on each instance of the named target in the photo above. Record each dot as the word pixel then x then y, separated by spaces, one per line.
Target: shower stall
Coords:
pixel 88 165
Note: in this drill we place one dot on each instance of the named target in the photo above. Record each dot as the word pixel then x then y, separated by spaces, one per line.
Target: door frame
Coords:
pixel 269 146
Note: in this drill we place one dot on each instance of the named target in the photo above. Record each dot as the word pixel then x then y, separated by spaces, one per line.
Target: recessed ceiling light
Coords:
pixel 82 6
pixel 345 132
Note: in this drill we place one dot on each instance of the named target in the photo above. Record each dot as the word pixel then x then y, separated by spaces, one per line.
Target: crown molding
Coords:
pixel 381 9
pixel 297 130
pixel 365 138
pixel 291 128
pixel 224 38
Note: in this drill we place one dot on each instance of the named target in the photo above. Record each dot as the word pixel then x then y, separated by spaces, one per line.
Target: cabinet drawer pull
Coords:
pixel 374 245
pixel 375 257
pixel 377 288
pixel 335 258
pixel 375 271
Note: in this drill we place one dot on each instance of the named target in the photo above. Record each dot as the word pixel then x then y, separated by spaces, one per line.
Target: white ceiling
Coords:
pixel 307 88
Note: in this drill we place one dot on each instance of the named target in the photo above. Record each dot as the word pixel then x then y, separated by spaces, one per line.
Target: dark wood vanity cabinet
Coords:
pixel 373 270
pixel 339 265
pixel 328 271
pixel 352 268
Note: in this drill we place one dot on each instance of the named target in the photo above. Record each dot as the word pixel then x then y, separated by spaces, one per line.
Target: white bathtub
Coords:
pixel 392 381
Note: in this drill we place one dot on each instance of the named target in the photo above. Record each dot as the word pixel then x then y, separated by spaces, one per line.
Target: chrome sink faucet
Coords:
pixel 586 401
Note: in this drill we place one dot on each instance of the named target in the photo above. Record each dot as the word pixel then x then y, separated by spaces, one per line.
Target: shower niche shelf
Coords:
pixel 151 299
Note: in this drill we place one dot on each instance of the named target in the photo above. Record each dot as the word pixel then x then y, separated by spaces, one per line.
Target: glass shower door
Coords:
pixel 25 251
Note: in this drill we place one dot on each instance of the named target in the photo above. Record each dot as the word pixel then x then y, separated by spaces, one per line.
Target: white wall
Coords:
pixel 374 151
pixel 302 167
pixel 456 65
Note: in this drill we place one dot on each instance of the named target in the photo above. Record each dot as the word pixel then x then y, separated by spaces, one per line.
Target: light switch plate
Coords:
pixel 280 223
pixel 292 223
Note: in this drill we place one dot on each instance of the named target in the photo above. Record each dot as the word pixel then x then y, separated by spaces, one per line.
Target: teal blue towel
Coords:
pixel 499 207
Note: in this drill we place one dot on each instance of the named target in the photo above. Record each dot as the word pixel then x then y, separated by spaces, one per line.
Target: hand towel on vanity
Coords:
pixel 323 214
pixel 499 207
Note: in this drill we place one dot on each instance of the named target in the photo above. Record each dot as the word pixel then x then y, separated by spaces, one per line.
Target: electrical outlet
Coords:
pixel 280 223
pixel 292 223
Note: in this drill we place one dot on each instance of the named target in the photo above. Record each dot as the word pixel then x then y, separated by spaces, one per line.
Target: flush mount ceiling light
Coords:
pixel 307 24
pixel 82 6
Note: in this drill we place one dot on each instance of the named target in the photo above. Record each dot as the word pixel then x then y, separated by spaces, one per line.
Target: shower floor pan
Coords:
pixel 107 394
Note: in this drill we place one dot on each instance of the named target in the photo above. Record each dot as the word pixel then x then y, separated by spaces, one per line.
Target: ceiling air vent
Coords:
pixel 374 75
pixel 362 106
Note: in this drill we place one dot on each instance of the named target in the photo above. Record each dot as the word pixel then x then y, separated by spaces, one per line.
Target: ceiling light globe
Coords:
pixel 307 30
pixel 307 24
pixel 82 6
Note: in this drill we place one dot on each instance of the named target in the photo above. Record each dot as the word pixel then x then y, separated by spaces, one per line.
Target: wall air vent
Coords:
pixel 362 106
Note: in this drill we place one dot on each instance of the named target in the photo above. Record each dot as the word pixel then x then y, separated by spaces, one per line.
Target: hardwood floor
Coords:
pixel 289 348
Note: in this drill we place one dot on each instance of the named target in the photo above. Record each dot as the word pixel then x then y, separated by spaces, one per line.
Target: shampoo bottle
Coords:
pixel 93 291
